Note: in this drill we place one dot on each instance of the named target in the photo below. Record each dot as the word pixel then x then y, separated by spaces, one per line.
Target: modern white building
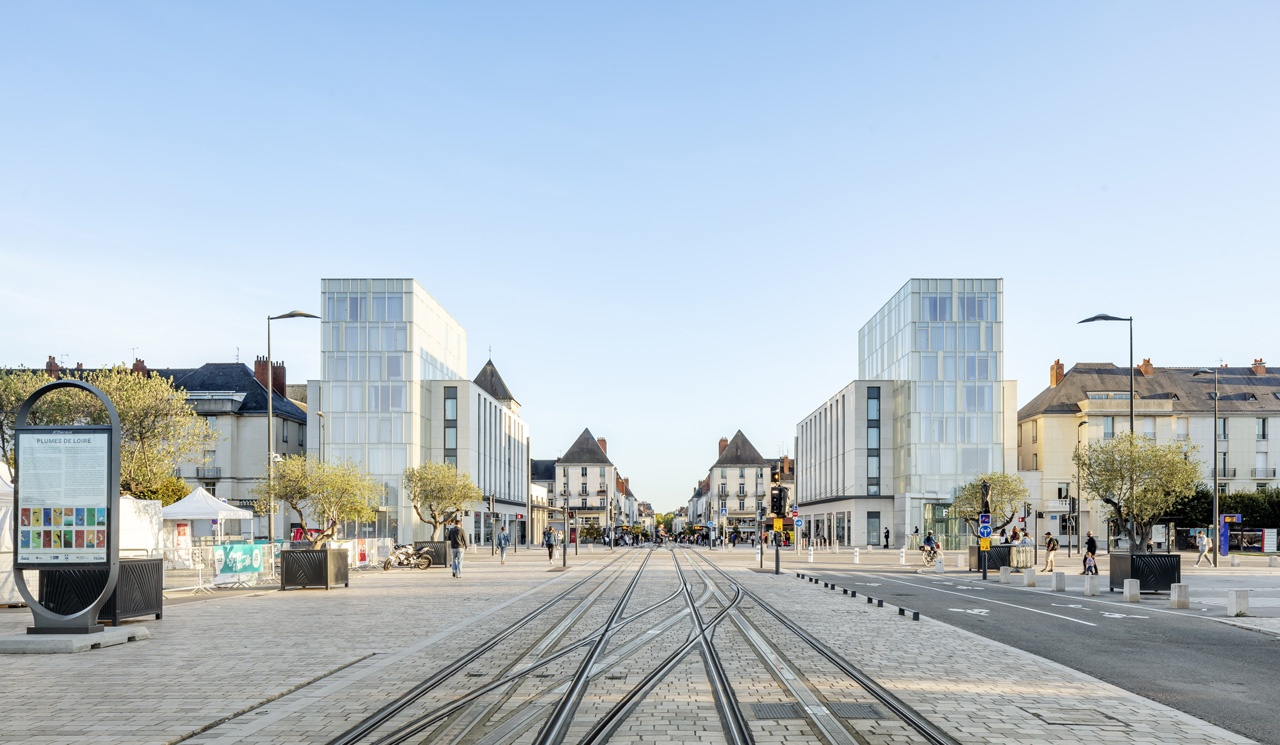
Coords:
pixel 394 395
pixel 927 414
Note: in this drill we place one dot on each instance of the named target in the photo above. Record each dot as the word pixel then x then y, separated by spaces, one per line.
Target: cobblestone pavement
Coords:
pixel 303 666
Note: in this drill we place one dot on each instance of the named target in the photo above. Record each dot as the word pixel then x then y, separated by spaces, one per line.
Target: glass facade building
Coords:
pixel 381 340
pixel 940 342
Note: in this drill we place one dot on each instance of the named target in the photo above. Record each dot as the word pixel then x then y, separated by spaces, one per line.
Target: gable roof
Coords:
pixel 234 377
pixel 492 383
pixel 585 451
pixel 1240 389
pixel 740 452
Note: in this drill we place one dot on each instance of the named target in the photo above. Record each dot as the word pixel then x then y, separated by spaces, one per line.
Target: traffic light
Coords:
pixel 1071 505
pixel 519 515
pixel 775 501
pixel 570 515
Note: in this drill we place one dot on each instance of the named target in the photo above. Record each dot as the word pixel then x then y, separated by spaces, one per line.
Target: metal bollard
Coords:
pixel 902 556
pixel 855 557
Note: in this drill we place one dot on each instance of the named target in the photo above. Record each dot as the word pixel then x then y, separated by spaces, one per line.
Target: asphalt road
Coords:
pixel 1211 670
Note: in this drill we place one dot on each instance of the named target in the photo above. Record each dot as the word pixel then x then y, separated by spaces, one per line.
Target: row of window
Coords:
pixel 1181 425
pixel 979 306
pixel 374 367
pixel 378 306
pixel 950 337
pixel 959 366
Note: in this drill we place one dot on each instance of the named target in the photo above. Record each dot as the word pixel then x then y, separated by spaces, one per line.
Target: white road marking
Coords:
pixel 974 611
pixel 998 602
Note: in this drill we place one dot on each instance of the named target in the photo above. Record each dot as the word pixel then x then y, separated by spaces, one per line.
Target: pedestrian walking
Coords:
pixel 549 541
pixel 457 538
pixel 1090 554
pixel 503 540
pixel 1205 544
pixel 886 537
pixel 1050 550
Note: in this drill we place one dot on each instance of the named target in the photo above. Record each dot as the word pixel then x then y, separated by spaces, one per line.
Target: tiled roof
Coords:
pixel 235 377
pixel 492 383
pixel 1240 389
pixel 585 451
pixel 740 452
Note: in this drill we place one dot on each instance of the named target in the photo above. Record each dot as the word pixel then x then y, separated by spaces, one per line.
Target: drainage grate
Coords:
pixel 1074 717
pixel 846 710
pixel 476 675
pixel 777 711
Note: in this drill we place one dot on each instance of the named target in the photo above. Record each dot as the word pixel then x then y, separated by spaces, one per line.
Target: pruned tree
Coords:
pixel 439 493
pixel 329 493
pixel 1007 496
pixel 1138 479
pixel 159 430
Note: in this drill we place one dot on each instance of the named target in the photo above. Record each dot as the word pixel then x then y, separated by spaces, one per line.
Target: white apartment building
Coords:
pixel 1090 402
pixel 927 414
pixel 588 484
pixel 393 360
pixel 739 481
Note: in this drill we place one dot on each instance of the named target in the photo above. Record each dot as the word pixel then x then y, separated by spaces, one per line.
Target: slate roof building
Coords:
pixel 1090 402
pixel 589 484
pixel 739 481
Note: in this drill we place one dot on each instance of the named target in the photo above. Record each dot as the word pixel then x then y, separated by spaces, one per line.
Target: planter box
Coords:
pixel 1015 557
pixel 139 590
pixel 438 550
pixel 314 567
pixel 1154 572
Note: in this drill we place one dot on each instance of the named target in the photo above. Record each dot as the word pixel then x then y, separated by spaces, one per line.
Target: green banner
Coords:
pixel 238 559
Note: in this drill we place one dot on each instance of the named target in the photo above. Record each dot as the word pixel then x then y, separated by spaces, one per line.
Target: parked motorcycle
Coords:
pixel 403 555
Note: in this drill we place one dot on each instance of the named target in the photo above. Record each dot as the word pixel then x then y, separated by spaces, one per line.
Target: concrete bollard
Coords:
pixel 1180 595
pixel 1028 577
pixel 1005 574
pixel 1273 562
pixel 1090 584
pixel 811 554
pixel 902 556
pixel 1059 581
pixel 961 560
pixel 1132 590
pixel 938 568
pixel 855 556
pixel 1237 602
pixel 1235 561
pixel 836 546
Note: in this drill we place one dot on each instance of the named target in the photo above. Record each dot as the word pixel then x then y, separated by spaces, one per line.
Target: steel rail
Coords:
pixel 379 717
pixel 609 723
pixel 901 709
pixel 557 725
pixel 417 725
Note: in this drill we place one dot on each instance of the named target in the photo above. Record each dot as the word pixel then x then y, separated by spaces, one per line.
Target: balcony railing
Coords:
pixel 1223 473
pixel 208 472
pixel 1264 473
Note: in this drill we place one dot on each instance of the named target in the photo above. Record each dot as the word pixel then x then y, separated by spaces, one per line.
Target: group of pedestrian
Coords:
pixel 1089 560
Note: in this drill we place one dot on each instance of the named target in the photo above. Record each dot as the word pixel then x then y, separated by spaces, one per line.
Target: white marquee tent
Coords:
pixel 201 505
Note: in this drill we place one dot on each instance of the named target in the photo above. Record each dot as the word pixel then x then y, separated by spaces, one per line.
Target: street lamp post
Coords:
pixel 1132 434
pixel 1216 518
pixel 1079 494
pixel 271 437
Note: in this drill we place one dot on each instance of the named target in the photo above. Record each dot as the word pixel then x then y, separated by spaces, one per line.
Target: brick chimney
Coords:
pixel 277 374
pixel 724 441
pixel 139 367
pixel 52 368
pixel 1146 368
pixel 604 444
pixel 786 464
pixel 1056 373
pixel 1259 367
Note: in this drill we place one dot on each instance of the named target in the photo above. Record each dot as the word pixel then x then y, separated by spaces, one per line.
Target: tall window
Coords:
pixel 1108 428
pixel 742 505
pixel 742 490
pixel 1149 427
pixel 1262 428
pixel 1222 428
pixel 1183 431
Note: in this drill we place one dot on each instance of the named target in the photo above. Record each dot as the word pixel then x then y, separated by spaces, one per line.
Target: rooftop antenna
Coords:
pixel 134 352
pixel 237 354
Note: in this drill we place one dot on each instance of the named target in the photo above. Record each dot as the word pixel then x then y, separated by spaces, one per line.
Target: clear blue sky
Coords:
pixel 710 199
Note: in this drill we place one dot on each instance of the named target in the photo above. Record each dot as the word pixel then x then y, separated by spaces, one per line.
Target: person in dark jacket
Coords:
pixel 1090 552
pixel 886 537
pixel 457 538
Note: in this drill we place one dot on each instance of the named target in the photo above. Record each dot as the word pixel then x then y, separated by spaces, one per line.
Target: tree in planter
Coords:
pixel 591 532
pixel 1007 497
pixel 1139 480
pixel 439 494
pixel 332 493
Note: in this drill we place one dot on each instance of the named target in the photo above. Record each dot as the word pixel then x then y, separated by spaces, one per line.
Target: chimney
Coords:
pixel 277 374
pixel 604 444
pixel 52 368
pixel 1056 373
pixel 786 464
pixel 79 365
pixel 139 367
pixel 1259 367
pixel 1146 368
pixel 724 441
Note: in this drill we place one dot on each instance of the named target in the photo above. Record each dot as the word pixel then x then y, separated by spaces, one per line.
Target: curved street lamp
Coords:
pixel 271 440
pixel 1216 530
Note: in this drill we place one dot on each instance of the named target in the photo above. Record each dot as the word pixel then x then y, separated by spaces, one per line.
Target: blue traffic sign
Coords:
pixel 984 519
pixel 799 523
pixel 984 531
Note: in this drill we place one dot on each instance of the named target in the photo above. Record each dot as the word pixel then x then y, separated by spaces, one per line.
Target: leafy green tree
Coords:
pixel 16 386
pixel 439 493
pixel 329 493
pixel 1138 479
pixel 1007 497
pixel 167 492
pixel 591 532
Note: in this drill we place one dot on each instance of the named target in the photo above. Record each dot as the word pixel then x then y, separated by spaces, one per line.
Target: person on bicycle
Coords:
pixel 929 546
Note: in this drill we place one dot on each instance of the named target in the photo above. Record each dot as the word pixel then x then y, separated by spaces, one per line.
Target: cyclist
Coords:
pixel 930 548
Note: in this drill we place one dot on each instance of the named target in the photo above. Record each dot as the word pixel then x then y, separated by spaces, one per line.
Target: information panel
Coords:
pixel 62 497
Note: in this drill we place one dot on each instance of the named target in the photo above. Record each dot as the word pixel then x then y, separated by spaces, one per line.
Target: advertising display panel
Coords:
pixel 63 497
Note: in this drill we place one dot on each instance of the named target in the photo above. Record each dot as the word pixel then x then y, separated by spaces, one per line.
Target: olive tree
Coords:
pixel 1138 479
pixel 439 493
pixel 1007 496
pixel 329 493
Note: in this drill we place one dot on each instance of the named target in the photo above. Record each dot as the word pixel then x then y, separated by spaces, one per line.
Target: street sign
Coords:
pixel 984 519
pixel 795 512
pixel 984 531
pixel 724 511
pixel 984 544
pixel 777 523
pixel 711 523
pixel 799 523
